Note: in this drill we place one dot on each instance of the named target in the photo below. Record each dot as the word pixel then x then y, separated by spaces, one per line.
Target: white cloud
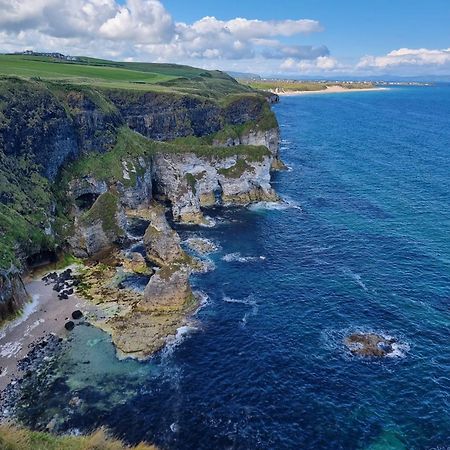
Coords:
pixel 145 30
pixel 407 58
pixel 319 65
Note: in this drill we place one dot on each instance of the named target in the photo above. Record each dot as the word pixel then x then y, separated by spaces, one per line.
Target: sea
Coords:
pixel 360 244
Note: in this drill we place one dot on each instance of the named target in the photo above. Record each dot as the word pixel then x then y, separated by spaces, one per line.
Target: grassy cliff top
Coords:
pixel 121 75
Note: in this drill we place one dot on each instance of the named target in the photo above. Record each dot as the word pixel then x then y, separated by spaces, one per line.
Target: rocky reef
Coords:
pixel 78 164
pixel 370 344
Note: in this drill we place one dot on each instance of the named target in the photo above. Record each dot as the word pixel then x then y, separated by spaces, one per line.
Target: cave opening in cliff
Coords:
pixel 85 201
pixel 42 259
pixel 218 193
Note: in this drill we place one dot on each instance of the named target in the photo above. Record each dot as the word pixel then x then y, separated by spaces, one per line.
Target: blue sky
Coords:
pixel 352 27
pixel 323 38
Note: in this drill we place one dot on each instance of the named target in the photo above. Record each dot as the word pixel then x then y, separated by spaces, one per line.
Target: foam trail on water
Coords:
pixel 237 257
pixel 355 277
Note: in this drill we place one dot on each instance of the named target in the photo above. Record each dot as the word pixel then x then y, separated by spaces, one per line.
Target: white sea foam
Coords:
pixel 355 277
pixel 210 222
pixel 248 301
pixel 237 257
pixel 280 206
pixel 174 341
pixel 201 246
pixel 202 298
pixel 203 265
pixel 10 349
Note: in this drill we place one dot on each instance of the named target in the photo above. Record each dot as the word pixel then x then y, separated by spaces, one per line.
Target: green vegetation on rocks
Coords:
pixel 104 210
pixel 237 170
pixel 15 438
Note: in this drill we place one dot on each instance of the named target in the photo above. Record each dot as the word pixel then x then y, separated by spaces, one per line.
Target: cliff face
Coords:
pixel 74 161
pixel 12 293
pixel 190 182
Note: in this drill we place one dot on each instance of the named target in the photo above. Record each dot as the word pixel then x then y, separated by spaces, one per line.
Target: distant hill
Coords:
pixel 244 75
pixel 82 70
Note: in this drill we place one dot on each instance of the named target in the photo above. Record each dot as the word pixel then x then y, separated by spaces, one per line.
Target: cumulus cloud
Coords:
pixel 419 59
pixel 315 66
pixel 144 29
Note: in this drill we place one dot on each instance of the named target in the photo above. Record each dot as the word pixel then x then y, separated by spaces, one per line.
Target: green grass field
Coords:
pixel 121 75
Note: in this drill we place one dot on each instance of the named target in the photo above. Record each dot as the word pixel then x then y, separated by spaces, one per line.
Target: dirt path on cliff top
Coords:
pixel 45 314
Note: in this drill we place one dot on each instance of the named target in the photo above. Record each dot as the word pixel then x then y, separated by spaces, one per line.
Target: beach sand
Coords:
pixel 329 90
pixel 45 314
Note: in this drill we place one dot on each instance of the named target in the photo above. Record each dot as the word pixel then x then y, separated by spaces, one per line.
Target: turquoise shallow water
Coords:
pixel 364 244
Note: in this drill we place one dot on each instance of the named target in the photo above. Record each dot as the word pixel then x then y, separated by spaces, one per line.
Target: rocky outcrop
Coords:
pixel 370 344
pixel 168 290
pixel 99 228
pixel 12 293
pixel 266 138
pixel 162 243
pixel 190 181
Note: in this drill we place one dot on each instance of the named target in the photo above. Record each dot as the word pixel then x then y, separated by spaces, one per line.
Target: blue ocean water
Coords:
pixel 363 244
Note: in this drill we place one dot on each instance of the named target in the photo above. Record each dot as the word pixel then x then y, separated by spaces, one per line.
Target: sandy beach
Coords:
pixel 45 314
pixel 329 90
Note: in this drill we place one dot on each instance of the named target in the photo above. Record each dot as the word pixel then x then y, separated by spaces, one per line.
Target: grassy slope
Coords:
pixel 13 438
pixel 122 75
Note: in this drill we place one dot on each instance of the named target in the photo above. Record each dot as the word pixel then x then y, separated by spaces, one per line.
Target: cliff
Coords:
pixel 78 161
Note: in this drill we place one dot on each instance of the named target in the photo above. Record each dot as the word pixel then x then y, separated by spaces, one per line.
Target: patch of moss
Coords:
pixel 104 210
pixel 132 146
pixel 237 170
pixel 192 182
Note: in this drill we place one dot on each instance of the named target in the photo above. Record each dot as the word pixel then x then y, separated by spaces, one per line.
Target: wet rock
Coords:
pixel 76 315
pixel 369 344
pixel 69 326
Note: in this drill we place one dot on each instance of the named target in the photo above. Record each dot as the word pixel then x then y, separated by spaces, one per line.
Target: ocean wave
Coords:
pixel 280 206
pixel 176 340
pixel 202 298
pixel 209 222
pixel 201 246
pixel 203 265
pixel 237 257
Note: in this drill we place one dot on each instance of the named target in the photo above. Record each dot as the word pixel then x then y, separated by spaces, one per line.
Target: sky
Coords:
pixel 308 38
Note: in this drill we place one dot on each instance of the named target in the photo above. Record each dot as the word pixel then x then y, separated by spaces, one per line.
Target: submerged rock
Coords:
pixel 369 344
pixel 201 246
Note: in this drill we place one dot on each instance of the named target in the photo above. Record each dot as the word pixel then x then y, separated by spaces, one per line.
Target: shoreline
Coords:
pixel 328 90
pixel 44 316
